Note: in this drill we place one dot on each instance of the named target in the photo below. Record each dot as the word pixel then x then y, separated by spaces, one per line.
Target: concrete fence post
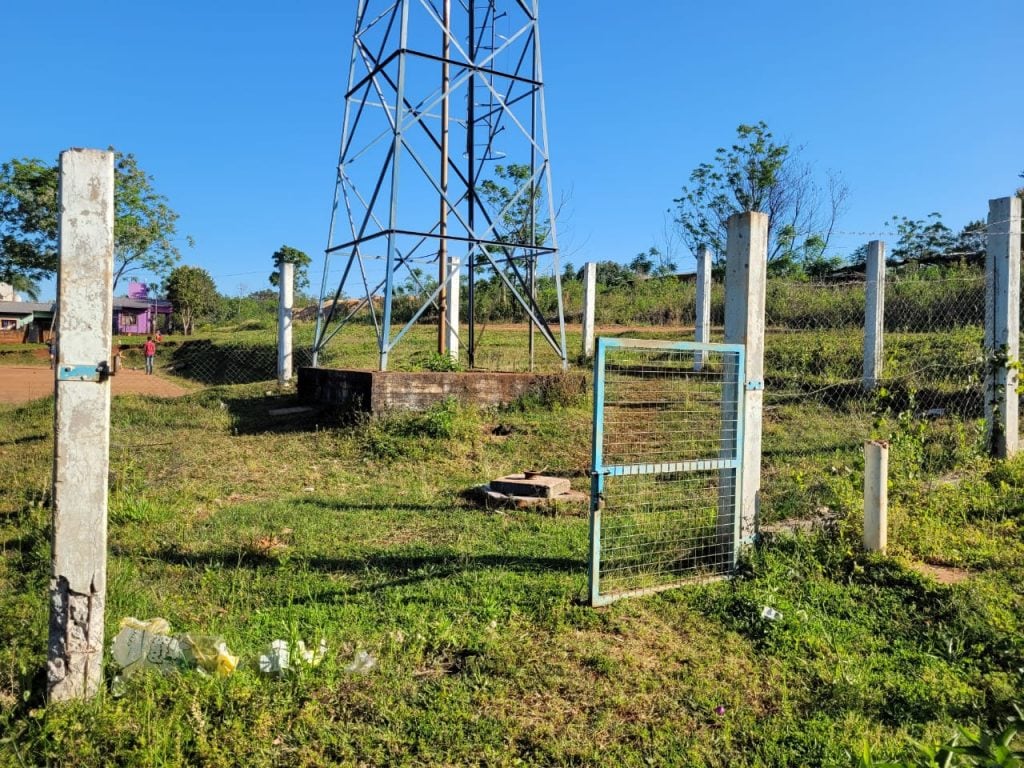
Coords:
pixel 745 266
pixel 874 314
pixel 451 309
pixel 285 306
pixel 1002 324
pixel 81 446
pixel 589 306
pixel 702 322
pixel 876 496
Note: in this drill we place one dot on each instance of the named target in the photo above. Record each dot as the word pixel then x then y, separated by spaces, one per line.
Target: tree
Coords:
pixel 288 255
pixel 921 238
pixel 28 223
pixel 757 174
pixel 642 264
pixel 516 200
pixel 610 274
pixel 193 295
pixel 144 223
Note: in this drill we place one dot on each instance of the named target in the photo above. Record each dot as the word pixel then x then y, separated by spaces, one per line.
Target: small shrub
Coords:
pixel 439 363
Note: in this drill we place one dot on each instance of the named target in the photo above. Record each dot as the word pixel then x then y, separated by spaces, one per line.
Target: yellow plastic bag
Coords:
pixel 209 654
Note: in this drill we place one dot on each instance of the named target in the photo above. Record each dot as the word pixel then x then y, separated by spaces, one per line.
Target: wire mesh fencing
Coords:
pixel 668 426
pixel 821 401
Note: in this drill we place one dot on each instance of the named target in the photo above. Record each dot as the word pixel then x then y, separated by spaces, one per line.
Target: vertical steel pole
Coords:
pixel 531 264
pixel 396 157
pixel 360 12
pixel 538 75
pixel 471 195
pixel 442 249
pixel 81 448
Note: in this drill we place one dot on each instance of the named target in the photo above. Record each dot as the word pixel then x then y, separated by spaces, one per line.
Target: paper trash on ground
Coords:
pixel 278 657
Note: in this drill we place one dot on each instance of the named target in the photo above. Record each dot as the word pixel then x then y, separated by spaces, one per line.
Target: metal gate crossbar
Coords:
pixel 666 464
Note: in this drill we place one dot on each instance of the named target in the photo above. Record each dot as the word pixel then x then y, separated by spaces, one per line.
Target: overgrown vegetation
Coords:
pixel 485 654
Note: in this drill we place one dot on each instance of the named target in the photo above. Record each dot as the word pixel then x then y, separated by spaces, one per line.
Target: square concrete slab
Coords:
pixel 539 486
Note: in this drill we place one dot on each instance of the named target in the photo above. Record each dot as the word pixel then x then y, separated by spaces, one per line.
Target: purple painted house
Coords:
pixel 138 314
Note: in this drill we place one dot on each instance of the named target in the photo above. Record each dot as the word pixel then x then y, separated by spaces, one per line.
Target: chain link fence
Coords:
pixel 821 403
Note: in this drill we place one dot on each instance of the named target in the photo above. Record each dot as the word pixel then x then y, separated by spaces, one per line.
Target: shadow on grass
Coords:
pixel 280 414
pixel 394 569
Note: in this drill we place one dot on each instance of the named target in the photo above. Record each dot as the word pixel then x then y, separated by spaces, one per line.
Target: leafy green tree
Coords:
pixel 145 225
pixel 515 203
pixel 288 255
pixel 610 274
pixel 193 295
pixel 759 174
pixel 28 223
pixel 921 238
pixel 516 200
pixel 641 264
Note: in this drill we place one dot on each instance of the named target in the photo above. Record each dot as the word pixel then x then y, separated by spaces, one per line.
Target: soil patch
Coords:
pixel 943 574
pixel 20 384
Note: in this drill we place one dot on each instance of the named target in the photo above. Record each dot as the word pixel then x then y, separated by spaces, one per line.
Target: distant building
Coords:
pixel 31 322
pixel 138 315
pixel 25 322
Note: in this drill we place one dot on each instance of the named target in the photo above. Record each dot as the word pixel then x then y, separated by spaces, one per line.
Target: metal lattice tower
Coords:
pixel 444 101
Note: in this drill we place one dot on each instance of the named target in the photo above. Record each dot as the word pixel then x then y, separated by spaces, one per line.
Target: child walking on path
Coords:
pixel 149 348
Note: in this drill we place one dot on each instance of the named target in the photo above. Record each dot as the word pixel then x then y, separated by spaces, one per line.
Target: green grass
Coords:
pixel 229 522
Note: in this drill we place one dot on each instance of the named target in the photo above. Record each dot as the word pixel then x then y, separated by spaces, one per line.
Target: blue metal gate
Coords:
pixel 666 464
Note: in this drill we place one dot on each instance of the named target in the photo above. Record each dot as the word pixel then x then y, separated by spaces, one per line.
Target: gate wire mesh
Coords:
pixel 818 410
pixel 668 426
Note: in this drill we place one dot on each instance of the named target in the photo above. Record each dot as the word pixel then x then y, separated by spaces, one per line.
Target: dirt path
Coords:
pixel 19 384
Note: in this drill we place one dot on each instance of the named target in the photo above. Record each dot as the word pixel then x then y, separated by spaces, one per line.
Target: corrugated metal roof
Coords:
pixel 25 307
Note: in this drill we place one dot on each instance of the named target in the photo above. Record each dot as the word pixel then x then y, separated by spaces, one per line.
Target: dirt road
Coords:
pixel 19 384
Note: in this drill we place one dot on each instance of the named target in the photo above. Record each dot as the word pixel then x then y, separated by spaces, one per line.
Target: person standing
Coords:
pixel 149 349
pixel 51 348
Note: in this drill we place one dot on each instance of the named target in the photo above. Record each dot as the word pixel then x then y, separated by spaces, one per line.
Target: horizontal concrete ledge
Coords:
pixel 380 391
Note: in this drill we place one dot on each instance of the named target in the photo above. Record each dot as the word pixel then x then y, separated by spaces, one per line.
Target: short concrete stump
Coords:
pixel 531 484
pixel 532 491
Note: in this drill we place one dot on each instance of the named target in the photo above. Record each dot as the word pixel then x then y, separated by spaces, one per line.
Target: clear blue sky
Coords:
pixel 235 108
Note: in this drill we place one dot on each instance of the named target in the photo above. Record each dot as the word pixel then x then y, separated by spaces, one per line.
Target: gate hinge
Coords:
pixel 94 372
pixel 754 385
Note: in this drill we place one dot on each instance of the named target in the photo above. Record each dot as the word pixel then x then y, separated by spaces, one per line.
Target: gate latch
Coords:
pixel 94 372
pixel 754 385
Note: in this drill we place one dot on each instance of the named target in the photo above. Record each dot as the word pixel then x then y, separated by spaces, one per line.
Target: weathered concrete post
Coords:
pixel 1002 324
pixel 589 305
pixel 876 496
pixel 81 424
pixel 874 313
pixel 451 323
pixel 702 330
pixel 746 261
pixel 285 306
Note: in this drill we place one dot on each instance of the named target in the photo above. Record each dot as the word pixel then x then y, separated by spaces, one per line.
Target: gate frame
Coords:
pixel 598 472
